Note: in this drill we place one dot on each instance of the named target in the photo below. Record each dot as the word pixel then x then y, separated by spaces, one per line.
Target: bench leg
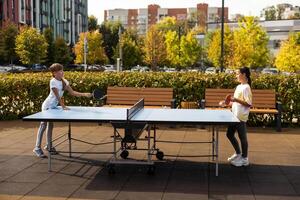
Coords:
pixel 278 122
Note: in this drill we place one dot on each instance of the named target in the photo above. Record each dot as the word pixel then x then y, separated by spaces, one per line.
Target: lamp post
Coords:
pixel 222 39
pixel 119 61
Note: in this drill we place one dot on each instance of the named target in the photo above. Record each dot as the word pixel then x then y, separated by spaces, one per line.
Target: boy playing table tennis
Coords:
pixel 241 103
pixel 57 87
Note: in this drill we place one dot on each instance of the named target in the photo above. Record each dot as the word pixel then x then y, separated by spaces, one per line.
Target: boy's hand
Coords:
pixel 89 95
pixel 65 108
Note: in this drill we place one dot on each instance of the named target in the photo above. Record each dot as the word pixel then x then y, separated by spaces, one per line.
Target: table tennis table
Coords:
pixel 136 120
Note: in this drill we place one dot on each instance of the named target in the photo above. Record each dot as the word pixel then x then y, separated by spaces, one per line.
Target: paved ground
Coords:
pixel 274 172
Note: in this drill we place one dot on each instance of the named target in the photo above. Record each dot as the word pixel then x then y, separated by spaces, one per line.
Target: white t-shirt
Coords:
pixel 51 101
pixel 242 92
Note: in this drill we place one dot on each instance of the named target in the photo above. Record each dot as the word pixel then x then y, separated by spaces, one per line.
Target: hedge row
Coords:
pixel 23 94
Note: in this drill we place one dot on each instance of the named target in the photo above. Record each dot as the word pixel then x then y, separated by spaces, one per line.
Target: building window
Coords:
pixel 64 9
pixel 79 23
pixel 22 11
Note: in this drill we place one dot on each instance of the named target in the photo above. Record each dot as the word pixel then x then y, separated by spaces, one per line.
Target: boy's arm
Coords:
pixel 77 94
pixel 61 102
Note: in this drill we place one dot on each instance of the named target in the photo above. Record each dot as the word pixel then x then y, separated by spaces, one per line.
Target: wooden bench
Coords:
pixel 263 102
pixel 158 97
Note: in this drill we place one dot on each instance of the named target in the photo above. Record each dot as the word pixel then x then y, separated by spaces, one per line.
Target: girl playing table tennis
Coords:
pixel 240 103
pixel 57 87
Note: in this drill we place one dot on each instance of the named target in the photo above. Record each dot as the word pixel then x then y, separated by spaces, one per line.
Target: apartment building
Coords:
pixel 142 18
pixel 277 30
pixel 67 18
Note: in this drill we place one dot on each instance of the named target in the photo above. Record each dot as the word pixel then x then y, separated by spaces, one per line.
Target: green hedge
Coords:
pixel 23 94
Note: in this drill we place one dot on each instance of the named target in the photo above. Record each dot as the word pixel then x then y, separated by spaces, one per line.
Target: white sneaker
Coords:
pixel 233 157
pixel 240 162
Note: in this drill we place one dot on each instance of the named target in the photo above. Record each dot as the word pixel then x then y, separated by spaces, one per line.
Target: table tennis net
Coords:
pixel 135 109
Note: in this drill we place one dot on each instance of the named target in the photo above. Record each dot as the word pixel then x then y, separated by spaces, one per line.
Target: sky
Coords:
pixel 245 7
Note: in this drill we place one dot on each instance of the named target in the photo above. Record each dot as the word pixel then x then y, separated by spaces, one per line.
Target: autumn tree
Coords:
pixel 62 51
pixel 289 54
pixel 154 48
pixel 96 53
pixel 250 46
pixel 31 46
pixel 7 42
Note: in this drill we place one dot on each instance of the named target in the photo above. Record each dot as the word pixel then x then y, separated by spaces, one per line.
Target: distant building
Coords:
pixel 277 30
pixel 67 18
pixel 142 18
pixel 282 11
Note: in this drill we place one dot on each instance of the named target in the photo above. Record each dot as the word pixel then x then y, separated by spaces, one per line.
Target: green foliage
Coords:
pixel 7 42
pixel 96 53
pixel 214 47
pixel 131 49
pixel 62 51
pixel 269 13
pixel 93 23
pixel 289 54
pixel 167 24
pixel 48 34
pixel 34 88
pixel 110 33
pixel 31 46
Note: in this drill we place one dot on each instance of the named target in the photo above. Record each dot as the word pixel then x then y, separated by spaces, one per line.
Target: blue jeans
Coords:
pixel 40 133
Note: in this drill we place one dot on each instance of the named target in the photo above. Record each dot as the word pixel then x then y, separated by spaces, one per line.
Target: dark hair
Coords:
pixel 246 71
pixel 55 67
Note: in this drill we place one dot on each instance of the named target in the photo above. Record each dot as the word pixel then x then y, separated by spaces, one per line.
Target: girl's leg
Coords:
pixel 230 135
pixel 242 131
pixel 39 136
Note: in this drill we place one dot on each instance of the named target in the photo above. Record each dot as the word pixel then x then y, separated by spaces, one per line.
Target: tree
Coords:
pixel 110 33
pixel 96 53
pixel 31 46
pixel 155 48
pixel 93 23
pixel 190 50
pixel 250 45
pixel 8 42
pixel 62 51
pixel 167 24
pixel 48 34
pixel 214 47
pixel 289 54
pixel 131 49
pixel 269 13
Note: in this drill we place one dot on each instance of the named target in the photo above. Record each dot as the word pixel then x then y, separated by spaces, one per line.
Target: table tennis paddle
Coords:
pixel 98 93
pixel 227 99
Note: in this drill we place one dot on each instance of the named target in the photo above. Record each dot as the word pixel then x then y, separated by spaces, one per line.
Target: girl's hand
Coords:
pixel 89 95
pixel 222 103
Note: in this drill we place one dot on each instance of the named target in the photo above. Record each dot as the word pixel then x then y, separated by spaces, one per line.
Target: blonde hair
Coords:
pixel 55 67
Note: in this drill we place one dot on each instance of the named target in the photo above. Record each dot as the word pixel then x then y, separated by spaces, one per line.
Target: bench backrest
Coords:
pixel 261 98
pixel 130 95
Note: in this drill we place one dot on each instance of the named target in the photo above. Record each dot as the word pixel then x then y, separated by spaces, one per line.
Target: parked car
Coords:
pixel 229 71
pixel 211 70
pixel 270 71
pixel 109 68
pixel 38 68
